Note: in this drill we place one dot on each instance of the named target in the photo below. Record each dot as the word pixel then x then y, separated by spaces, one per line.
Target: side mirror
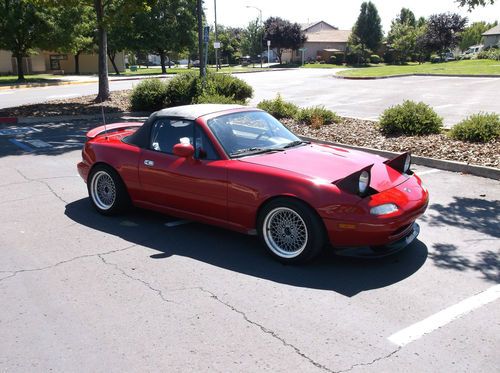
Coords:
pixel 183 150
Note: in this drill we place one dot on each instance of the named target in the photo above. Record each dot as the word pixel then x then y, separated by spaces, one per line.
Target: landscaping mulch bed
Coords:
pixel 365 133
pixel 84 105
pixel 349 131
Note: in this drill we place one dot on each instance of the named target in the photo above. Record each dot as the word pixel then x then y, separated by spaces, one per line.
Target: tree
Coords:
pixel 230 40
pixel 406 16
pixel 473 34
pixel 474 3
pixel 443 31
pixel 23 28
pixel 368 29
pixel 105 13
pixel 251 40
pixel 283 35
pixel 166 28
pixel 74 31
pixel 402 39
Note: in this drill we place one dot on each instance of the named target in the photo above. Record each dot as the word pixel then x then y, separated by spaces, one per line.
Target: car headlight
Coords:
pixel 407 165
pixel 384 209
pixel 364 181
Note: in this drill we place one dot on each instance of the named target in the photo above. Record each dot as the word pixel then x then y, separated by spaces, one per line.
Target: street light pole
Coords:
pixel 216 49
pixel 261 35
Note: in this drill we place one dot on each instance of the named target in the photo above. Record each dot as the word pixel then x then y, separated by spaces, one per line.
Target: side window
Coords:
pixel 167 132
pixel 204 148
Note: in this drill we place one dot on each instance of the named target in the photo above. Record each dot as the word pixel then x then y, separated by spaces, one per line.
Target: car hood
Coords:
pixel 328 163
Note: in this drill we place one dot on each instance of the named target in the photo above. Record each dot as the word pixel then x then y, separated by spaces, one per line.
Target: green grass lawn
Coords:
pixel 465 67
pixel 39 78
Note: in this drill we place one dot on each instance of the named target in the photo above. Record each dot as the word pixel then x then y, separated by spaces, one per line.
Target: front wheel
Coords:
pixel 107 191
pixel 291 231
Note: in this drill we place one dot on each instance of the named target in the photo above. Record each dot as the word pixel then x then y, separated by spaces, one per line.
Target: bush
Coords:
pixel 186 89
pixel 410 118
pixel 149 95
pixel 339 59
pixel 317 116
pixel 279 108
pixel 374 59
pixel 490 54
pixel 183 89
pixel 389 57
pixel 228 86
pixel 482 127
pixel 207 98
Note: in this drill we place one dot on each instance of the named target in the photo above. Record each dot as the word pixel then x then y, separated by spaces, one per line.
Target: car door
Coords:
pixel 196 185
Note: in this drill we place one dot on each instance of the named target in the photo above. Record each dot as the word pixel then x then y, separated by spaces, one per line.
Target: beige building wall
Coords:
pixel 5 62
pixel 491 40
pixel 315 48
pixel 89 64
pixel 37 64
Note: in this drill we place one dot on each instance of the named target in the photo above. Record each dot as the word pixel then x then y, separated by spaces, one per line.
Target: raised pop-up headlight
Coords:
pixel 357 182
pixel 384 209
pixel 401 163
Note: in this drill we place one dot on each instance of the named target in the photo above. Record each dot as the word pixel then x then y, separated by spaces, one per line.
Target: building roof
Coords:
pixel 328 36
pixel 493 31
pixel 306 26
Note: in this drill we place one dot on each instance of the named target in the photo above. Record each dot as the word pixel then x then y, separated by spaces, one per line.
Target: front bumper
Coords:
pixel 381 251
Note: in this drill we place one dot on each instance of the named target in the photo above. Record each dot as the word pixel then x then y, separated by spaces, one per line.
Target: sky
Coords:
pixel 339 13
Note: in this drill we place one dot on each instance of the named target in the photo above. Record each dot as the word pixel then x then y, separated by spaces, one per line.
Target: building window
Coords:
pixel 55 61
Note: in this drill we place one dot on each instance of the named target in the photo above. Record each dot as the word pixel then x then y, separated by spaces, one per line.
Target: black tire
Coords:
pixel 113 197
pixel 291 231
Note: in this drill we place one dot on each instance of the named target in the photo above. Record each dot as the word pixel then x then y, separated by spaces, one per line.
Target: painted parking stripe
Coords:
pixel 440 319
pixel 176 223
pixel 21 145
pixel 427 172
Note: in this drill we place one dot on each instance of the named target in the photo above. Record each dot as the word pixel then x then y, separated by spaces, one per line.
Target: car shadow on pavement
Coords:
pixel 244 254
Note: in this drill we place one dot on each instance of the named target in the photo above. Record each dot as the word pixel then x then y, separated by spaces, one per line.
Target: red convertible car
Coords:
pixel 240 168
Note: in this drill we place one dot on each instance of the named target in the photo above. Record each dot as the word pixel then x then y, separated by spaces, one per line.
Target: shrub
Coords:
pixel 228 86
pixel 183 89
pixel 148 95
pixel 339 59
pixel 207 98
pixel 186 89
pixel 374 59
pixel 482 127
pixel 279 108
pixel 410 118
pixel 317 116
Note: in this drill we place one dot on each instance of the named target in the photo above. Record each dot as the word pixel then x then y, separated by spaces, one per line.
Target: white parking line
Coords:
pixel 176 223
pixel 440 319
pixel 7 93
pixel 427 172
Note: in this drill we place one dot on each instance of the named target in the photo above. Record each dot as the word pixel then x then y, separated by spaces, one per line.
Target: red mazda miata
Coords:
pixel 239 168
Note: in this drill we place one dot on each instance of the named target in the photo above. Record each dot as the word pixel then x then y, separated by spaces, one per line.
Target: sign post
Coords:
pixel 268 53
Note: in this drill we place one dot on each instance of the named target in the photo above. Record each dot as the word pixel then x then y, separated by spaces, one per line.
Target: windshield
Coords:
pixel 251 132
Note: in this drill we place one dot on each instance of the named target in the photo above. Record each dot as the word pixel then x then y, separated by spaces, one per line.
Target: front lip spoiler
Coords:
pixel 380 251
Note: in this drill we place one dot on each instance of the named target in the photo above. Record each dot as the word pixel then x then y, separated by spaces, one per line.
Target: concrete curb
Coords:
pixel 483 171
pixel 417 74
pixel 71 82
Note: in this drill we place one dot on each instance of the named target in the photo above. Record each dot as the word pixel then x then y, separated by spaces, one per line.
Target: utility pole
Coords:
pixel 199 14
pixel 215 47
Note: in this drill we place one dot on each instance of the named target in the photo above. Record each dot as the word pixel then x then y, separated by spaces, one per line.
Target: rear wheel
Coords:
pixel 106 190
pixel 291 230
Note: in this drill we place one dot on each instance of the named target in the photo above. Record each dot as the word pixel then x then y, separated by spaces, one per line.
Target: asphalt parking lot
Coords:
pixel 145 292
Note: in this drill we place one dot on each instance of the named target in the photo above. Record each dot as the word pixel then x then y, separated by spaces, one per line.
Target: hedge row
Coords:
pixel 184 89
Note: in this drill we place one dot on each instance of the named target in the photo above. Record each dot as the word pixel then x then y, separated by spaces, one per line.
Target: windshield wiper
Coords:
pixel 254 150
pixel 295 143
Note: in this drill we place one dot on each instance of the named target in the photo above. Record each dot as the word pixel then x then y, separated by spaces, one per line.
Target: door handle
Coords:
pixel 149 163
